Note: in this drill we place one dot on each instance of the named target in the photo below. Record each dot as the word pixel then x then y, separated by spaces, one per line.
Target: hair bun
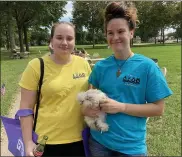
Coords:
pixel 114 10
pixel 121 10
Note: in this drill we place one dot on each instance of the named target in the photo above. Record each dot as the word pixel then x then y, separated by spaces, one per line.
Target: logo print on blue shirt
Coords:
pixel 132 80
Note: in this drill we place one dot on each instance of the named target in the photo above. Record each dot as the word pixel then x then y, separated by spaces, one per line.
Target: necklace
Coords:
pixel 118 73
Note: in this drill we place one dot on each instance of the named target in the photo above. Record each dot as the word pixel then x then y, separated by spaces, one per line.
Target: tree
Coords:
pixel 90 15
pixel 39 36
pixel 2 24
pixel 151 19
pixel 167 8
pixel 38 13
pixel 10 27
pixel 7 25
pixel 147 28
pixel 177 18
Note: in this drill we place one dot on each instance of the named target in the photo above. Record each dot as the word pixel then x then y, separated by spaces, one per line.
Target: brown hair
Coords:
pixel 58 23
pixel 121 10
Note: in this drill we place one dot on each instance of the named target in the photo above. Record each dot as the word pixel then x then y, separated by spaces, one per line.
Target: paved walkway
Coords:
pixel 4 140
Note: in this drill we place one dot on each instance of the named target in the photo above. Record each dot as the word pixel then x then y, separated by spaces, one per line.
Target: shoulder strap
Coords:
pixel 39 91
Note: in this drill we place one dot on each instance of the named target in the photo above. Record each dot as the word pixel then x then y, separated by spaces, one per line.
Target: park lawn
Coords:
pixel 164 133
pixel 11 70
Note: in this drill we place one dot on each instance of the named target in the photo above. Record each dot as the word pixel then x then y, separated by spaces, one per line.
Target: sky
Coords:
pixel 68 15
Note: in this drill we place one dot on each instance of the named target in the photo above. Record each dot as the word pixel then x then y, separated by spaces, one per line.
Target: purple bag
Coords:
pixel 14 132
pixel 85 136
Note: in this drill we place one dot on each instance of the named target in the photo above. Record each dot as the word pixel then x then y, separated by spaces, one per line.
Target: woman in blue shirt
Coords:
pixel 135 87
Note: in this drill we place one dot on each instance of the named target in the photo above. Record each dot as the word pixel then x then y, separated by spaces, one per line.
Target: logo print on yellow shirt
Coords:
pixel 78 75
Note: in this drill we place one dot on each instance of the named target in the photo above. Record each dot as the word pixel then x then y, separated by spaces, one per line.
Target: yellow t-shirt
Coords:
pixel 59 115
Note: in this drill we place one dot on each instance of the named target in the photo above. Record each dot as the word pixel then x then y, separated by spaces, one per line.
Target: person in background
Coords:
pixel 77 53
pixel 83 53
pixel 134 84
pixel 59 117
pixel 3 89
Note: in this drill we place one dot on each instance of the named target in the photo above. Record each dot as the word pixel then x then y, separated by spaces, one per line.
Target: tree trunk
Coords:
pixel 25 37
pixel 93 32
pixel 0 41
pixel 7 41
pixel 0 35
pixel 20 34
pixel 163 36
pixel 131 42
pixel 177 39
pixel 155 40
pixel 10 29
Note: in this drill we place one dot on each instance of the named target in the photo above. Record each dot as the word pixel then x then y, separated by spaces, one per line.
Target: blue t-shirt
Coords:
pixel 141 81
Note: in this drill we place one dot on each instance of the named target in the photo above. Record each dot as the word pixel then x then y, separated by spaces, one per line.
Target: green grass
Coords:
pixel 11 70
pixel 164 133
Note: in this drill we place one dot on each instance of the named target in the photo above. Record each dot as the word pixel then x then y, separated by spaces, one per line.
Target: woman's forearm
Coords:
pixel 28 101
pixel 139 110
pixel 27 126
pixel 145 110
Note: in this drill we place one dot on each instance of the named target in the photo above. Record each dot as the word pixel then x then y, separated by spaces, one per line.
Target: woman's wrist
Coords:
pixel 122 107
pixel 28 143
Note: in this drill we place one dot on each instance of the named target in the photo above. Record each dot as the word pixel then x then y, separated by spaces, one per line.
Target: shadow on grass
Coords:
pixel 5 55
pixel 154 45
pixel 135 45
pixel 91 47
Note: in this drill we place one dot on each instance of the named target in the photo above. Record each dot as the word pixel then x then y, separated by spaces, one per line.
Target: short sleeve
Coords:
pixel 93 79
pixel 157 87
pixel 30 76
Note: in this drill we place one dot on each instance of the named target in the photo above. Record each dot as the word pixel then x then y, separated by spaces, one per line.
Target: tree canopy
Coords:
pixel 28 22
